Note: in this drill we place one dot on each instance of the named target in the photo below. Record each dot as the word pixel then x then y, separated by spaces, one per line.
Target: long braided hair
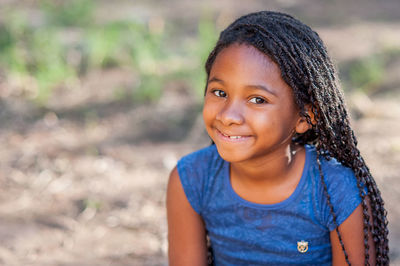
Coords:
pixel 307 69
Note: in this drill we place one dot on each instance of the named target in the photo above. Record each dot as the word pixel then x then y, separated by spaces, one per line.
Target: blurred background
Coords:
pixel 99 99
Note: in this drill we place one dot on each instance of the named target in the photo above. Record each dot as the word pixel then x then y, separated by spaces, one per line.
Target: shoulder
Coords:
pixel 199 162
pixel 185 227
pixel 196 172
pixel 173 181
pixel 338 176
pixel 341 188
pixel 204 155
pixel 333 171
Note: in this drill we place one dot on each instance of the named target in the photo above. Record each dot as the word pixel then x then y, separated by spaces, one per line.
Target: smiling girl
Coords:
pixel 283 182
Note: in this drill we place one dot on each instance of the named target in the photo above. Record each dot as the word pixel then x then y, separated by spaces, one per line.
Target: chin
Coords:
pixel 234 156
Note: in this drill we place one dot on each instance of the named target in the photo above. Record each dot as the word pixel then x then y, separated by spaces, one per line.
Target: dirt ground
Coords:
pixel 83 181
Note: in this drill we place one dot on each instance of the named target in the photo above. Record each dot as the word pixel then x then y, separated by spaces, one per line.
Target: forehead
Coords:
pixel 241 65
pixel 246 60
pixel 246 55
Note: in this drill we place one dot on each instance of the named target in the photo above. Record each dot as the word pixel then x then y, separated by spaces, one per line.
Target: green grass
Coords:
pixel 69 43
pixel 368 74
pixel 196 51
pixel 206 39
pixel 68 13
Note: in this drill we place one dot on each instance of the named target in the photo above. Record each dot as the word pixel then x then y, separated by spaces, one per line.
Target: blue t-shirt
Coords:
pixel 246 233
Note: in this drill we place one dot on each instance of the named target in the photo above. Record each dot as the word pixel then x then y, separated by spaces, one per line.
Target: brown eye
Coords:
pixel 219 93
pixel 257 100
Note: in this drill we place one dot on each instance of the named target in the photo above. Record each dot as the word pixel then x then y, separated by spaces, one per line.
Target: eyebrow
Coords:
pixel 214 79
pixel 260 87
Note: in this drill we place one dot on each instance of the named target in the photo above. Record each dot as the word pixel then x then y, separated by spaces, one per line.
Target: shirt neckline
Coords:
pixel 281 204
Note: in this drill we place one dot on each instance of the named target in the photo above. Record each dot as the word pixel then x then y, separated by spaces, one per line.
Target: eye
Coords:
pixel 219 93
pixel 257 100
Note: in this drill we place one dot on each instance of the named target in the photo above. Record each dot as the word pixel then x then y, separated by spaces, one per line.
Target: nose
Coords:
pixel 230 114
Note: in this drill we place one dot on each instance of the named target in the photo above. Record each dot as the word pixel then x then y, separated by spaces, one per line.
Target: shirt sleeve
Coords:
pixel 191 176
pixel 343 191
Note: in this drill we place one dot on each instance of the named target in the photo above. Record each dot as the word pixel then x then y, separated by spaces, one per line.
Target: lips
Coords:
pixel 232 137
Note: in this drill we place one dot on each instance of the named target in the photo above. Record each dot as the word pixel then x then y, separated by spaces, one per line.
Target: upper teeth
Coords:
pixel 232 137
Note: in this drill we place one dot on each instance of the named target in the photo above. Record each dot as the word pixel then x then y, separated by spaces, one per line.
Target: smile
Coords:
pixel 234 138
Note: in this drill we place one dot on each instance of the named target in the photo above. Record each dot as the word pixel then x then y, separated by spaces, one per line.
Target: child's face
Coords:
pixel 249 110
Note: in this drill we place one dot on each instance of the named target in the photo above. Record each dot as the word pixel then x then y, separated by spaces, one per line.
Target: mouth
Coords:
pixel 233 138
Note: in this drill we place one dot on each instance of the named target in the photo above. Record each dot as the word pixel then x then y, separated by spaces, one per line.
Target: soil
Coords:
pixel 82 181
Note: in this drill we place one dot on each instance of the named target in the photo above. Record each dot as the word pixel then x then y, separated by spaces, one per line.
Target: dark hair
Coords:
pixel 307 69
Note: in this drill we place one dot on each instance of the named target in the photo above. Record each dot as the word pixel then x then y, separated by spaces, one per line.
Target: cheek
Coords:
pixel 208 113
pixel 271 121
pixel 260 119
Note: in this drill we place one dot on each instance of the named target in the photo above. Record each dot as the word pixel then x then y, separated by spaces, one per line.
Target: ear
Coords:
pixel 302 124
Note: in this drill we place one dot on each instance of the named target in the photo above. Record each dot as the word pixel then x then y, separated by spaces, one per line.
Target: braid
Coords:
pixel 328 198
pixel 307 68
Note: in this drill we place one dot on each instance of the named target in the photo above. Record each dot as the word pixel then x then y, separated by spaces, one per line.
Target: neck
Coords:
pixel 272 169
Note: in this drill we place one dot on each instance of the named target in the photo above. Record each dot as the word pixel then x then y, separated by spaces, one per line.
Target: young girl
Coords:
pixel 283 182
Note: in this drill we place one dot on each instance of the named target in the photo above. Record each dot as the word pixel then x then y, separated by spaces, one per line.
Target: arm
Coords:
pixel 351 231
pixel 186 232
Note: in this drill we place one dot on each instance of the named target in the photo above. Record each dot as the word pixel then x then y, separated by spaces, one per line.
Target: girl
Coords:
pixel 283 182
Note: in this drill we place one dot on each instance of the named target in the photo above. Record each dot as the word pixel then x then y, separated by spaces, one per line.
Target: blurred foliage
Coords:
pixel 67 43
pixel 90 203
pixel 207 37
pixel 36 52
pixel 368 74
pixel 68 13
pixel 196 50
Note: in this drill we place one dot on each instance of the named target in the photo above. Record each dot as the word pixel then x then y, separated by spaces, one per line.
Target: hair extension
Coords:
pixel 307 68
